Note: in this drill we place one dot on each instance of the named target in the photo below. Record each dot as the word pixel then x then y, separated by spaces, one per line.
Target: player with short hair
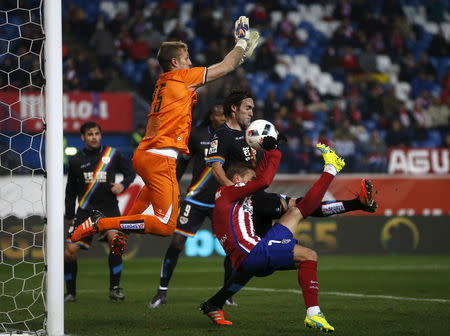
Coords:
pixel 167 133
pixel 91 179
pixel 253 255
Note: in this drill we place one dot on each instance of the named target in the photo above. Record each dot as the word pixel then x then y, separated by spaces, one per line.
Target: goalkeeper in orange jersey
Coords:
pixel 167 134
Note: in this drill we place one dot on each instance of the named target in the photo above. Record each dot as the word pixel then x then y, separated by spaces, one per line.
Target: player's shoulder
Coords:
pixel 181 73
pixel 224 132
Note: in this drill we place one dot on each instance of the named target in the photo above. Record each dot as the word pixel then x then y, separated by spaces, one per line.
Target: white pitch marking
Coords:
pixel 294 291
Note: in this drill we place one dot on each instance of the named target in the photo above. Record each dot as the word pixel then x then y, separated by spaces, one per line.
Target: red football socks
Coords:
pixel 311 201
pixel 307 279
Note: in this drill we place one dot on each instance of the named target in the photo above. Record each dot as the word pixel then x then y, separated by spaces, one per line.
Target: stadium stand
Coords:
pixel 320 63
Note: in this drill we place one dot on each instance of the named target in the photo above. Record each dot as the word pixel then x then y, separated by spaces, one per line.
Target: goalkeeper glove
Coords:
pixel 242 29
pixel 242 32
pixel 252 43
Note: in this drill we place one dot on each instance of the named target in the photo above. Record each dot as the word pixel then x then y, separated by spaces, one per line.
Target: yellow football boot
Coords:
pixel 330 157
pixel 318 321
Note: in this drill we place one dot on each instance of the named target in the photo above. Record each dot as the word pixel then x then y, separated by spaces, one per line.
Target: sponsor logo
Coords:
pixel 213 147
pixel 285 241
pixel 419 161
pixel 134 226
pixel 183 220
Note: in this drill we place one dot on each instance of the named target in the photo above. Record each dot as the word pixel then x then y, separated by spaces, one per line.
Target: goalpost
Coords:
pixel 31 192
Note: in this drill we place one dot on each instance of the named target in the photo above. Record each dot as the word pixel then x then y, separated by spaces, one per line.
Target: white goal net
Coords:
pixel 22 181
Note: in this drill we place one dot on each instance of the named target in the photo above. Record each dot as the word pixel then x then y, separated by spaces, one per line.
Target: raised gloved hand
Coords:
pixel 252 43
pixel 242 29
pixel 269 142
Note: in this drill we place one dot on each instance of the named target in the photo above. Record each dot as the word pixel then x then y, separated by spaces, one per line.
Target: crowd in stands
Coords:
pixel 119 41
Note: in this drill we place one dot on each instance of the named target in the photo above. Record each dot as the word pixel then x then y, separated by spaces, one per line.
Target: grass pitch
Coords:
pixel 360 295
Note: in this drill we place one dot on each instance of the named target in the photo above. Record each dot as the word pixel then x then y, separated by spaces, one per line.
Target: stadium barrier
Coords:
pixel 413 218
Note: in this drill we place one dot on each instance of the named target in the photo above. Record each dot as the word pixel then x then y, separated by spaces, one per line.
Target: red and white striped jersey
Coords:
pixel 233 211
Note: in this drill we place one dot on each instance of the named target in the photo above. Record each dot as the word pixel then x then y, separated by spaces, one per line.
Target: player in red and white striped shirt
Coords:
pixel 252 255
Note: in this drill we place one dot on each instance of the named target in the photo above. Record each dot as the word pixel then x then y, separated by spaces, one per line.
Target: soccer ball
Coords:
pixel 257 131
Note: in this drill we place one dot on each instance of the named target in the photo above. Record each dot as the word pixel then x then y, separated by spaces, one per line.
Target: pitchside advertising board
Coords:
pixel 113 111
pixel 413 217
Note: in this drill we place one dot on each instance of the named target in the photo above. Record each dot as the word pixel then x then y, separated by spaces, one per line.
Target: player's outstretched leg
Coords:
pixel 215 314
pixel 318 321
pixel 87 228
pixel 366 196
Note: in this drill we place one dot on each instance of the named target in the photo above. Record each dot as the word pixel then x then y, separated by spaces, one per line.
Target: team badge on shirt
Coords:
pixel 183 220
pixel 213 146
pixel 106 160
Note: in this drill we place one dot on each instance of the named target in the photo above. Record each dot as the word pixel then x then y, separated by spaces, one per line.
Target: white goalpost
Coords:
pixel 31 191
pixel 54 167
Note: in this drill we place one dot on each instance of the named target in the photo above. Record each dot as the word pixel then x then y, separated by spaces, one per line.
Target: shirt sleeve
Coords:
pixel 194 76
pixel 71 190
pixel 265 172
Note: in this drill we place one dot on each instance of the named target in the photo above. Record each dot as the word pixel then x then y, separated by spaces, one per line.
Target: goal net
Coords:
pixel 22 175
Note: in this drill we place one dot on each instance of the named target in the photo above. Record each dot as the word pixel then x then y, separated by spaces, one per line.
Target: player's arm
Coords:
pixel 219 174
pixel 184 159
pixel 71 191
pixel 217 152
pixel 233 59
pixel 182 164
pixel 265 173
pixel 127 170
pixel 230 62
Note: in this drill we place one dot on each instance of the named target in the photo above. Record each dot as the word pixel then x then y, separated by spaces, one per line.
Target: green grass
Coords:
pixel 265 312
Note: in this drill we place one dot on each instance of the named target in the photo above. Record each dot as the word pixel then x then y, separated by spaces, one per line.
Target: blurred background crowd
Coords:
pixel 361 75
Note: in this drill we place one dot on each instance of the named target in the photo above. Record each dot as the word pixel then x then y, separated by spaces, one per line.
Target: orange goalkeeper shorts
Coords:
pixel 161 191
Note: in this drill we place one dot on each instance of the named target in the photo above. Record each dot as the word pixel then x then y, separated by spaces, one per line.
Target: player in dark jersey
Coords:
pixel 198 202
pixel 91 179
pixel 253 255
pixel 227 145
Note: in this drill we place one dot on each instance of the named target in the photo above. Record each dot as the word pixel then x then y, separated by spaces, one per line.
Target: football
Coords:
pixel 257 131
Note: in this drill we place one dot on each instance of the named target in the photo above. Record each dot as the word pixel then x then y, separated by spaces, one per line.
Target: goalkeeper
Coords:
pixel 167 134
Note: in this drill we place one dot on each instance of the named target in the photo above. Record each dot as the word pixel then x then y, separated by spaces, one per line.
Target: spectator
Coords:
pixel 437 115
pixel 97 81
pixel 149 77
pixel 367 59
pixel 397 135
pixel 376 151
pixel 103 43
pixel 435 11
pixel 178 33
pixel 439 47
pixel 345 144
pixel 140 50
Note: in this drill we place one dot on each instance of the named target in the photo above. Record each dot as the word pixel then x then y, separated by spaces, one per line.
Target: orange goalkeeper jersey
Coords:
pixel 170 117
